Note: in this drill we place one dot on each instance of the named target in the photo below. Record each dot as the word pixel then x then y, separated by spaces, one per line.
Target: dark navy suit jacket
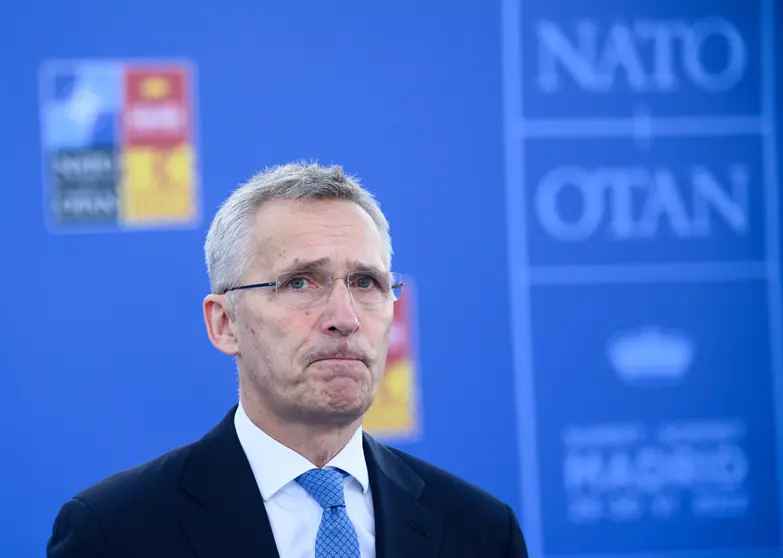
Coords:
pixel 201 500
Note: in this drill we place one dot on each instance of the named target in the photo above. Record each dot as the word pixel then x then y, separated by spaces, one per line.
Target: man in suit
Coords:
pixel 299 260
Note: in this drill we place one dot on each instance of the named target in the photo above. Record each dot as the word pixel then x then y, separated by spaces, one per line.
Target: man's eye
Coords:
pixel 297 283
pixel 365 282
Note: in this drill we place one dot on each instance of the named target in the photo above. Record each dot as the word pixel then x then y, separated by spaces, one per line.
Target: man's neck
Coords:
pixel 316 443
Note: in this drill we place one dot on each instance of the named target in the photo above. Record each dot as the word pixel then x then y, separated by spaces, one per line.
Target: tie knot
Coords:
pixel 325 486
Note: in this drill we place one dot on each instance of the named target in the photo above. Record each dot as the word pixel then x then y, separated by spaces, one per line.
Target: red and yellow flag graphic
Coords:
pixel 159 180
pixel 395 412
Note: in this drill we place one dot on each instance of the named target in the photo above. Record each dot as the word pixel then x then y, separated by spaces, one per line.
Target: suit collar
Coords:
pixel 223 513
pixel 403 527
pixel 275 465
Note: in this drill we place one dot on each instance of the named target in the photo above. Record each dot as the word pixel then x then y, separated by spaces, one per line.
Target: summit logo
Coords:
pixel 651 355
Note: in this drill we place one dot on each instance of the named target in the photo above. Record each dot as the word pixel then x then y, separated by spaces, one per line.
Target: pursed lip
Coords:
pixel 339 358
pixel 342 371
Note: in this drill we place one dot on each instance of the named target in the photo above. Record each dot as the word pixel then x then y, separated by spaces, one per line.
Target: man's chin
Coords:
pixel 340 406
pixel 333 417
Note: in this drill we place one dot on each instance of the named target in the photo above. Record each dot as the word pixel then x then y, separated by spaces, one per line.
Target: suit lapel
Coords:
pixel 403 527
pixel 223 513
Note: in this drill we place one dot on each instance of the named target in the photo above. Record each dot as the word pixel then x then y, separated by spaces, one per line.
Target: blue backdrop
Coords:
pixel 585 195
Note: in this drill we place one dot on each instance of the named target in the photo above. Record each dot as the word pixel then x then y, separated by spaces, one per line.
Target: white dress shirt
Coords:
pixel 293 514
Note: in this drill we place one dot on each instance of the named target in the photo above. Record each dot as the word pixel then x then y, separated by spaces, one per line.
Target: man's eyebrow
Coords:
pixel 356 265
pixel 320 263
pixel 302 265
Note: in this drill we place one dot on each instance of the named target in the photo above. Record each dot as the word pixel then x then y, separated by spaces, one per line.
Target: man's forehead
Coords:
pixel 340 237
pixel 289 219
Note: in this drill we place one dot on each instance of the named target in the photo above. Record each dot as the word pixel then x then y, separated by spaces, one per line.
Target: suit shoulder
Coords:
pixel 473 518
pixel 131 505
pixel 137 486
pixel 449 486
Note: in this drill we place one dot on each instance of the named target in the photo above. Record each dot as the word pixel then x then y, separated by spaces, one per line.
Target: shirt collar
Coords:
pixel 275 465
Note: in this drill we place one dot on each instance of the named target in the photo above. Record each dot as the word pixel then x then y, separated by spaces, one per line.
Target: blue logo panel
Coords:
pixel 80 105
pixel 618 58
pixel 614 201
pixel 655 421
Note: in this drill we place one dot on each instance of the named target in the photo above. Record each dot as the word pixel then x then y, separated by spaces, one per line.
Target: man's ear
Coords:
pixel 218 317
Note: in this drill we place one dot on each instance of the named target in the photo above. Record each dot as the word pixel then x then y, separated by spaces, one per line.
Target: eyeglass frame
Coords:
pixel 398 285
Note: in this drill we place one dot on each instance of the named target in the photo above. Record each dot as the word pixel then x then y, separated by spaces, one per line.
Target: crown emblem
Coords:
pixel 155 87
pixel 650 354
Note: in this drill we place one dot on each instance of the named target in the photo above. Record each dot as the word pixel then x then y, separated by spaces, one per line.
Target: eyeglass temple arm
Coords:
pixel 253 286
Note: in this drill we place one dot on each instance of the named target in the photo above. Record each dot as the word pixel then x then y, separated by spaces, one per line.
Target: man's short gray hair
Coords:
pixel 227 248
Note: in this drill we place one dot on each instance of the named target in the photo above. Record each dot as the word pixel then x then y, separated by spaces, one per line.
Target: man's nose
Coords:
pixel 340 315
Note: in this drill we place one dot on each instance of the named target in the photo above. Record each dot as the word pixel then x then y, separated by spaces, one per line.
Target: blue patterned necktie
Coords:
pixel 336 535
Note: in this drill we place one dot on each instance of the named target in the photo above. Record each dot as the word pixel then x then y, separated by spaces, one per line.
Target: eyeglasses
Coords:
pixel 303 289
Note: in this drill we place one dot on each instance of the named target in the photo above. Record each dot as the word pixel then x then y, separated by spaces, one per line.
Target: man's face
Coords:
pixel 319 363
